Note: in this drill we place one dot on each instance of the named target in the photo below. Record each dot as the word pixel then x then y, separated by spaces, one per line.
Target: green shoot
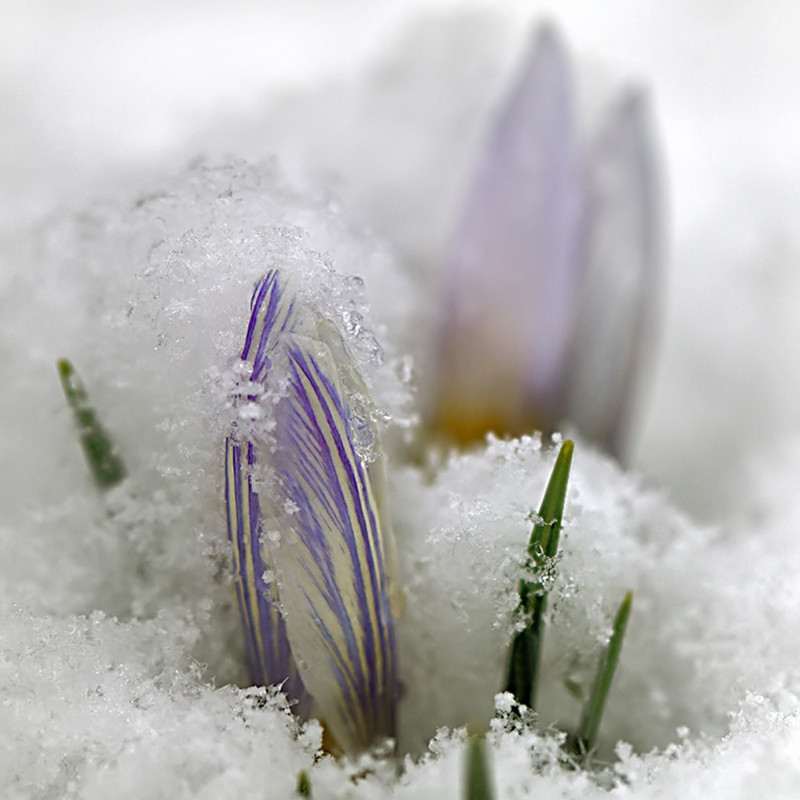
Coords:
pixel 106 466
pixel 477 780
pixel 593 710
pixel 525 656
pixel 303 784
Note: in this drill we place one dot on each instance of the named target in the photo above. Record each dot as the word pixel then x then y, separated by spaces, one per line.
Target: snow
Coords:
pixel 151 175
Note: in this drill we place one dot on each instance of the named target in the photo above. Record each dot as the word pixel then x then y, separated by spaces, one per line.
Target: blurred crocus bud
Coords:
pixel 311 547
pixel 548 286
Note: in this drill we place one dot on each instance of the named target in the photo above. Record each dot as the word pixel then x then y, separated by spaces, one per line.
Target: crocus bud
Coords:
pixel 310 544
pixel 548 280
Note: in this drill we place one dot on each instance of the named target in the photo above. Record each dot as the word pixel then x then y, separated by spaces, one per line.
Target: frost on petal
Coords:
pixel 618 290
pixel 325 547
pixel 515 263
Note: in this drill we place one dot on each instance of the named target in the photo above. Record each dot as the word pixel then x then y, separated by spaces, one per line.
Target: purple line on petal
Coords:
pixel 273 664
pixel 257 299
pixel 266 306
pixel 323 474
pixel 237 541
pixel 354 483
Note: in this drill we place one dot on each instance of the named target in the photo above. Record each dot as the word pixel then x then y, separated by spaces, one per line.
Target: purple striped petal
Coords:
pixel 268 651
pixel 515 264
pixel 272 314
pixel 619 287
pixel 315 526
pixel 331 559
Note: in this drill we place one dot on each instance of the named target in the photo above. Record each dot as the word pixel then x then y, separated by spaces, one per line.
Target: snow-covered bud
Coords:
pixel 310 544
pixel 548 285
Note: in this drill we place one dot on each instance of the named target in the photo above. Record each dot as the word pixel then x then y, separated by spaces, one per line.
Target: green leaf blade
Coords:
pixel 477 776
pixel 303 784
pixel 593 710
pixel 105 465
pixel 547 530
pixel 525 654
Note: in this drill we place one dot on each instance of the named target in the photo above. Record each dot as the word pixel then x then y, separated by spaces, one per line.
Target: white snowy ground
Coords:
pixel 120 641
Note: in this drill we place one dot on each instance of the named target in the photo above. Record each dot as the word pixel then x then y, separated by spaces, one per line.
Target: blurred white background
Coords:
pixel 89 84
pixel 92 92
